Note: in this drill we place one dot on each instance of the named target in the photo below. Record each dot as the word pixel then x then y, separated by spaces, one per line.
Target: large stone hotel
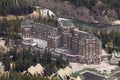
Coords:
pixel 66 40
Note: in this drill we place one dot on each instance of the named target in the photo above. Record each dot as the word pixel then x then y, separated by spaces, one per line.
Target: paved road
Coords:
pixel 90 76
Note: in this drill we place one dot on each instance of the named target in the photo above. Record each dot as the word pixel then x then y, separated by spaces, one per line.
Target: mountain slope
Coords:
pixel 99 11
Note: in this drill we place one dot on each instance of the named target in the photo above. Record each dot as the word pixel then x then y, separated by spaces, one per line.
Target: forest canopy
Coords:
pixel 90 3
pixel 15 7
pixel 109 4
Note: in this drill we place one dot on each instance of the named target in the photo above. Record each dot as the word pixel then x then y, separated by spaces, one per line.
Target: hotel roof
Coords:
pixel 27 23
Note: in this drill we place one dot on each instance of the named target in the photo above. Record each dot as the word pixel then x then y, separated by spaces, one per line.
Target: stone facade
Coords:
pixel 86 46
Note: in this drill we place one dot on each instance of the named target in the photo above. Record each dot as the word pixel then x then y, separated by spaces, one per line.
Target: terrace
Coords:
pixel 35 41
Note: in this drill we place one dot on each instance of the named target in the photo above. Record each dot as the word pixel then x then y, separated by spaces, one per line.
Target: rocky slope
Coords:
pixel 98 13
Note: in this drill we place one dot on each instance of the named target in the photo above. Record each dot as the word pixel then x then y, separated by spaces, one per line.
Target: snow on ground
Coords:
pixel 63 19
pixel 46 12
pixel 116 22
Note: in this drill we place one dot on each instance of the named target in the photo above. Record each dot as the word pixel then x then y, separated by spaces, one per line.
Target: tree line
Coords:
pixel 109 4
pixel 26 58
pixel 18 76
pixel 90 3
pixel 10 28
pixel 110 40
pixel 113 4
pixel 15 7
pixel 86 3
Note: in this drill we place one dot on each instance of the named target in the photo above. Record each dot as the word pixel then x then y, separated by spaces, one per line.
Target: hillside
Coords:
pixel 101 11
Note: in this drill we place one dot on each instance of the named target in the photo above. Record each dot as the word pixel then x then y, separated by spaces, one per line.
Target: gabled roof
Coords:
pixel 64 72
pixel 34 70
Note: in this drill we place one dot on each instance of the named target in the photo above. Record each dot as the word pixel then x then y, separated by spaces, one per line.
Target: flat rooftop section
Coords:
pixel 66 52
pixel 41 43
pixel 90 76
pixel 36 24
